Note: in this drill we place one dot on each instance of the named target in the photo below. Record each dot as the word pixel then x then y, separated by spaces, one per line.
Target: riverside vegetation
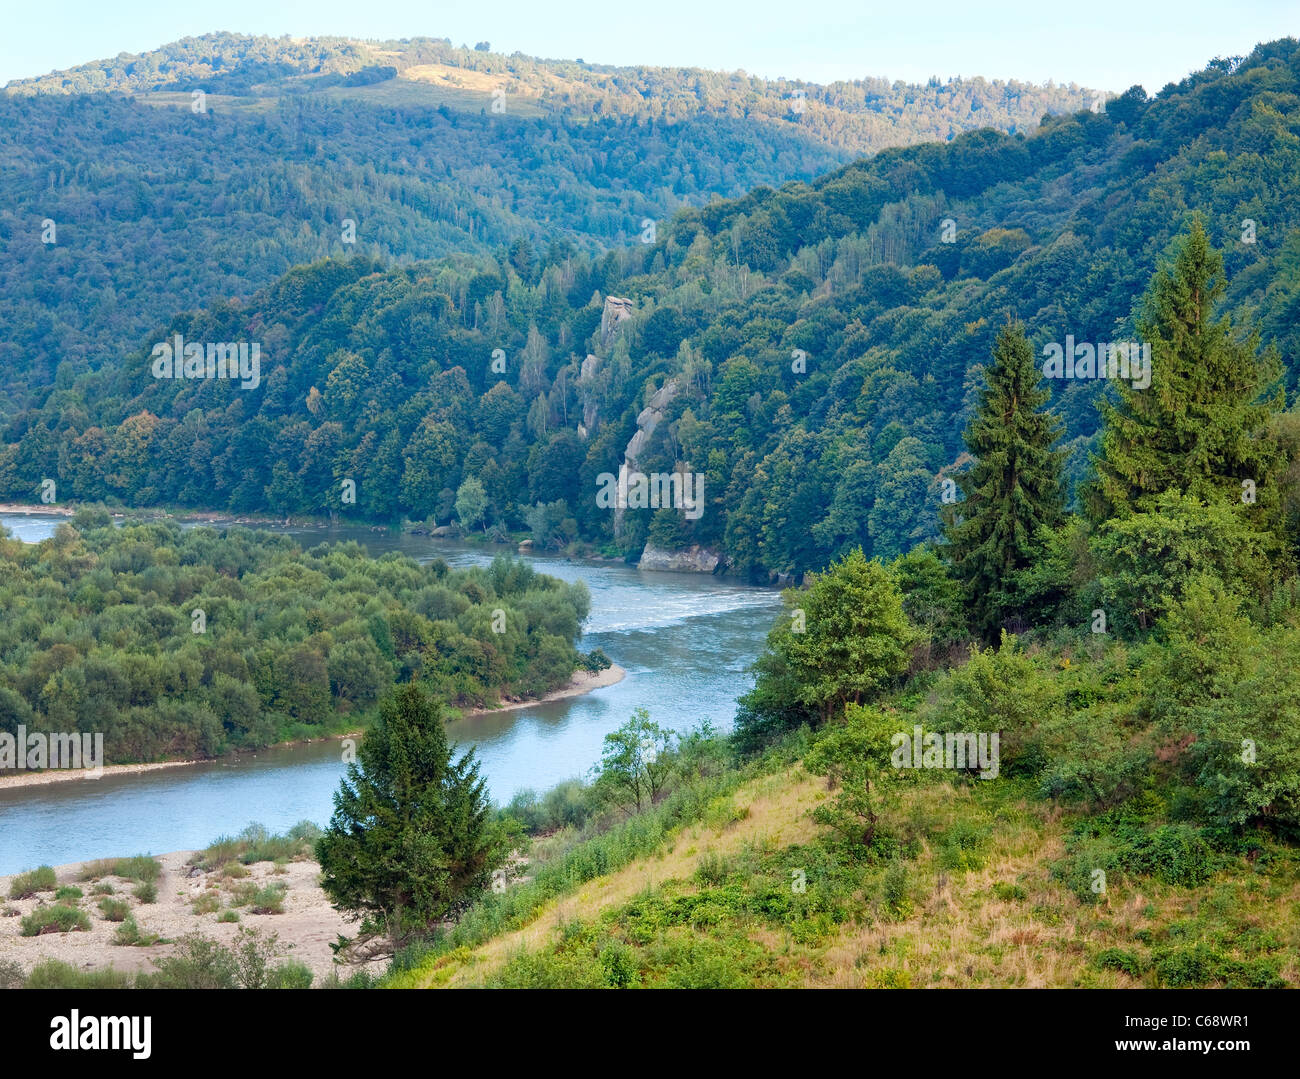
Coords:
pixel 185 643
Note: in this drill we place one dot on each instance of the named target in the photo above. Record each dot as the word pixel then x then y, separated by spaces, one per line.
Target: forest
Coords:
pixel 206 200
pixel 189 643
pixel 813 351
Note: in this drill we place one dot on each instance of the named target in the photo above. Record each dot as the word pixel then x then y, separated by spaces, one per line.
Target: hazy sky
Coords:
pixel 1107 44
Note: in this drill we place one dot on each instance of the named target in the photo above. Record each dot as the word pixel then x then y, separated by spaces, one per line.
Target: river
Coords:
pixel 685 641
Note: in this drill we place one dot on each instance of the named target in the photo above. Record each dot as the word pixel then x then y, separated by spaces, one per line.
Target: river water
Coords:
pixel 684 639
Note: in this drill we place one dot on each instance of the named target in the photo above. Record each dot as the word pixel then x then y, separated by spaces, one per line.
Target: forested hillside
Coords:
pixel 211 166
pixel 813 351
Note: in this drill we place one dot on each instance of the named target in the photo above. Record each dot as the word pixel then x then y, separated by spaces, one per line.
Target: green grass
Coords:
pixel 255 844
pixel 140 867
pixel 129 934
pixel 207 903
pixel 53 974
pixel 26 885
pixel 57 918
pixel 114 910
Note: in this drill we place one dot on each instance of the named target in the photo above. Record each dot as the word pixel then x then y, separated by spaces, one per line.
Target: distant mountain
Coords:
pixel 203 170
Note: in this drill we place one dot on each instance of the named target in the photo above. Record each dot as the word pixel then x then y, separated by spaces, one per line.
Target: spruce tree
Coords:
pixel 1011 492
pixel 1199 428
pixel 412 837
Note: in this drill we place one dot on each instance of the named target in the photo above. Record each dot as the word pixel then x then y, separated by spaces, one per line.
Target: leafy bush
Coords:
pixel 129 934
pixel 26 885
pixel 114 910
pixel 268 900
pixel 146 892
pixel 1129 963
pixel 56 918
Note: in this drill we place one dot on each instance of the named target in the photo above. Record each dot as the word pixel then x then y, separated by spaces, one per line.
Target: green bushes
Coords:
pixel 26 885
pixel 55 918
pixel 129 934
pixel 146 892
pixel 114 910
pixel 54 974
pixel 263 670
pixel 198 962
pixel 1174 854
pixel 1129 963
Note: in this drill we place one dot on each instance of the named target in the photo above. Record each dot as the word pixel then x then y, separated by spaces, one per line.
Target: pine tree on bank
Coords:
pixel 1199 428
pixel 1013 490
pixel 412 839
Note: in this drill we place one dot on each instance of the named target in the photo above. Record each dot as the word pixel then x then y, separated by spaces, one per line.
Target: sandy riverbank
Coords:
pixel 308 922
pixel 581 682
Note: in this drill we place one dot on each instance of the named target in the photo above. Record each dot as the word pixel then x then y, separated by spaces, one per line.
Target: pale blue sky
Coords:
pixel 1108 44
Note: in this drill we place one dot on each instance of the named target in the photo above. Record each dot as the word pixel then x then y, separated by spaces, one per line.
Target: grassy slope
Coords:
pixel 975 905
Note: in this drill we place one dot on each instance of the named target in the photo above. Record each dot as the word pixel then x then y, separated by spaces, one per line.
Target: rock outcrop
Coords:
pixel 692 560
pixel 617 308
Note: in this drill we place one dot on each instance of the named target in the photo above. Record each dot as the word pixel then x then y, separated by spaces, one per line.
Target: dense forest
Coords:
pixel 117 165
pixel 813 352
pixel 182 643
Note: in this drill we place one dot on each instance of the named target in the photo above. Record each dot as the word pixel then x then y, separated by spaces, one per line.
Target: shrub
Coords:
pixel 1129 963
pixel 114 910
pixel 57 918
pixel 228 916
pixel 1009 892
pixel 68 892
pixel 893 891
pixel 103 888
pixel 291 975
pixel 11 974
pixel 26 885
pixel 130 934
pixel 146 892
pixel 268 900
pixel 53 974
pixel 207 903
pixel 713 869
pixel 140 868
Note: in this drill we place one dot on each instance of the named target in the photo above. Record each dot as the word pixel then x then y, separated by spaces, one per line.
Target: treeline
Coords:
pixel 814 352
pixel 188 643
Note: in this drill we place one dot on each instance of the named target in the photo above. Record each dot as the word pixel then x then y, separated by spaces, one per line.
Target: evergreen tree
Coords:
pixel 1011 494
pixel 412 838
pixel 1199 427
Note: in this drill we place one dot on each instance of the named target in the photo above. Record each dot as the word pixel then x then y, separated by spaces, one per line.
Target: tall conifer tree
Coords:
pixel 412 837
pixel 1012 491
pixel 1199 428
